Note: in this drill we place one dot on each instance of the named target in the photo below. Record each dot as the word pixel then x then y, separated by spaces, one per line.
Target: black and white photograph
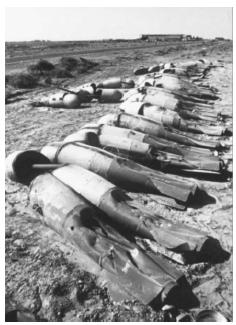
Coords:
pixel 118 164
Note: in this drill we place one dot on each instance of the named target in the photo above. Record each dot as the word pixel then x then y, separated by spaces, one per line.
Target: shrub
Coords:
pixel 68 63
pixel 41 68
pixel 60 72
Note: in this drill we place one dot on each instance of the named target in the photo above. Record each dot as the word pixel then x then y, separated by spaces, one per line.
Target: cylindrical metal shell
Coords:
pixel 132 107
pixel 109 95
pixel 110 83
pixel 170 82
pixel 124 144
pixel 56 202
pixel 84 182
pixel 140 123
pixel 77 154
pixel 71 101
pixel 163 100
pixel 145 125
pixel 121 132
pixel 166 117
pixel 121 172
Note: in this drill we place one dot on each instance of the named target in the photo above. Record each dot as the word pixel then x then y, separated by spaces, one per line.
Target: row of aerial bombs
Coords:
pixel 78 191
pixel 119 135
pixel 162 101
pixel 88 92
pixel 147 142
pixel 169 130
pixel 110 90
pixel 191 69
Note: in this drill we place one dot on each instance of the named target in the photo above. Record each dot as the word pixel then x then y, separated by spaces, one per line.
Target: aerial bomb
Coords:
pixel 126 212
pixel 157 114
pixel 149 155
pixel 119 263
pixel 158 143
pixel 23 166
pixel 108 95
pixel 162 98
pixel 116 83
pixel 169 118
pixel 64 101
pixel 145 125
pixel 172 82
pixel 120 208
pixel 140 70
pixel 119 171
pixel 102 135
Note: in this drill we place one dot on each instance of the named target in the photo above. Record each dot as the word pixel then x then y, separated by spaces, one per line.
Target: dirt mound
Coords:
pixel 68 67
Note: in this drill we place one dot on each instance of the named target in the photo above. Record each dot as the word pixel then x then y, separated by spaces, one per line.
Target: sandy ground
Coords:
pixel 43 274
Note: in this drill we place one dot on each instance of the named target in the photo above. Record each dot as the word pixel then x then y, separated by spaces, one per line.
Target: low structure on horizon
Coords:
pixel 166 37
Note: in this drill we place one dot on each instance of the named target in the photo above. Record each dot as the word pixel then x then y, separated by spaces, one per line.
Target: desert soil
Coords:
pixel 43 273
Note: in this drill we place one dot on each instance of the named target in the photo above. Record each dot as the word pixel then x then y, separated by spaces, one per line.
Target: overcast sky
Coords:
pixel 97 23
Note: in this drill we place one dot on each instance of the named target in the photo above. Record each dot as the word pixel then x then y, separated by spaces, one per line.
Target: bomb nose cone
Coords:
pixel 107 119
pixel 19 165
pixel 9 165
pixel 91 126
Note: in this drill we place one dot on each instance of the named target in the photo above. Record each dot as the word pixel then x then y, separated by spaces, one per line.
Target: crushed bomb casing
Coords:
pixel 121 210
pixel 135 273
pixel 119 171
pixel 128 214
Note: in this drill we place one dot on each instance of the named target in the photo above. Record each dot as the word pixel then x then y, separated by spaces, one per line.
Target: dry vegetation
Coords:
pixel 43 274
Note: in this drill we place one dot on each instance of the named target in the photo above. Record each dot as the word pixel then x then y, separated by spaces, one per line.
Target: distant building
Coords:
pixel 188 38
pixel 162 37
pixel 167 37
